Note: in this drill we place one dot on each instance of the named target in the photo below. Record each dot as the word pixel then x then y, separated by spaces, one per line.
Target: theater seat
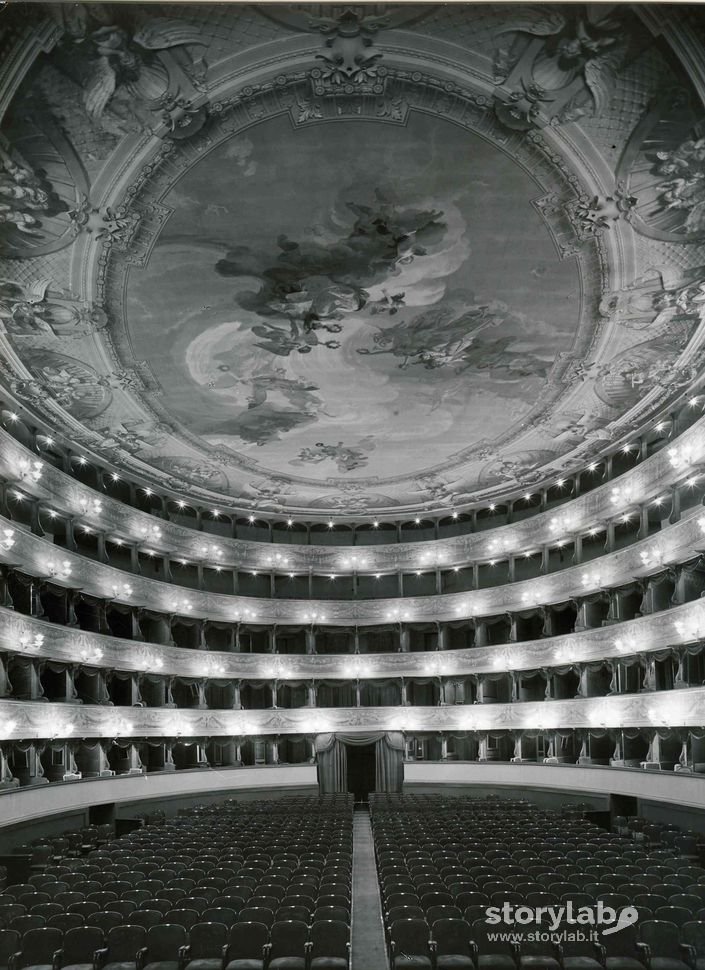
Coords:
pixel 454 948
pixel 330 946
pixel 207 941
pixel 288 946
pixel 410 946
pixel 78 948
pixel 162 952
pixel 122 944
pixel 9 944
pixel 247 947
pixel 37 950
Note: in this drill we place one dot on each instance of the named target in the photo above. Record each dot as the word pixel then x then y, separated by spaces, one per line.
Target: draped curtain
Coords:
pixel 331 754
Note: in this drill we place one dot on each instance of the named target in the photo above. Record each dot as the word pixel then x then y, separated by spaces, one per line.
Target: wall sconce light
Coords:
pixel 314 617
pixel 179 606
pixel 244 615
pixel 31 641
pixel 627 645
pixel 7 539
pixel 123 591
pixel 30 471
pixel 57 569
pixel 7 727
pixel 652 557
pixel 398 615
pixel 209 552
pixel 90 506
pixel 499 546
pixel 691 627
pixel 681 456
pixel 149 661
pixel 149 532
pixel 277 560
pixel 354 562
pixel 90 654
pixel 593 578
pixel 213 667
pixel 623 495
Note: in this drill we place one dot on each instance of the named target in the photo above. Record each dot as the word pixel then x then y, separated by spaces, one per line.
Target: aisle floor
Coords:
pixel 368 949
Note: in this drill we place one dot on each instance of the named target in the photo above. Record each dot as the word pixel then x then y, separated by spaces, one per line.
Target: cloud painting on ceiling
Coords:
pixel 353 299
pixel 399 261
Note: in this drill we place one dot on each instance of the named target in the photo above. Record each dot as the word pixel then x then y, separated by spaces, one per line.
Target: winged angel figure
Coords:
pixel 125 66
pixel 125 69
pixel 569 68
pixel 683 185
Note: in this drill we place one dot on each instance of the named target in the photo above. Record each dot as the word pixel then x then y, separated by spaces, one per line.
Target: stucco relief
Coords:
pixel 679 543
pixel 681 708
pixel 642 484
pixel 642 636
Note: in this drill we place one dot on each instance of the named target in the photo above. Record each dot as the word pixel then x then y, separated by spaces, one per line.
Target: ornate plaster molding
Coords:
pixel 645 635
pixel 28 719
pixel 640 485
pixel 679 543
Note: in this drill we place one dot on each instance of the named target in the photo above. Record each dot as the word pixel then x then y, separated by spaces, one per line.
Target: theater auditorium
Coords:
pixel 352 469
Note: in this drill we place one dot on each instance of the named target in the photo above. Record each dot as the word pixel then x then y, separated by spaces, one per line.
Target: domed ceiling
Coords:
pixel 348 259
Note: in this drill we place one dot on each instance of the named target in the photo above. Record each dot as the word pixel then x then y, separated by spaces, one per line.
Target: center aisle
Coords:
pixel 368 946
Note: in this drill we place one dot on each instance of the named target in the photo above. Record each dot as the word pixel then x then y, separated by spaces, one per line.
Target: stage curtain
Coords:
pixel 331 755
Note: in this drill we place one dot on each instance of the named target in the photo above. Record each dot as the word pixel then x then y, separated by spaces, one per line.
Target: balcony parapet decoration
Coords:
pixel 681 542
pixel 38 639
pixel 646 482
pixel 29 719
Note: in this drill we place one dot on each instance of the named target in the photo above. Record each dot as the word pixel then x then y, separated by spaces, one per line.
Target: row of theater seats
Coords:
pixel 268 885
pixel 287 945
pixel 265 882
pixel 443 862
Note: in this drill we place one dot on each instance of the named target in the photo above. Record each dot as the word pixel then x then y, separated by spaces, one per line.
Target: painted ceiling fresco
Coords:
pixel 340 259
pixel 373 318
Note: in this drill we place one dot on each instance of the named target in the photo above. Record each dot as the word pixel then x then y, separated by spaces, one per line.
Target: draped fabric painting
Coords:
pixel 331 754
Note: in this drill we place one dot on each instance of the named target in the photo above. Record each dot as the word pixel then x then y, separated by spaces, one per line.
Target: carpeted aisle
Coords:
pixel 368 949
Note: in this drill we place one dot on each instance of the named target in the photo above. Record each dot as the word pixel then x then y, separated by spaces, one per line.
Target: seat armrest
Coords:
pixel 601 952
pixel 57 959
pixel 184 952
pixel 225 956
pixel 99 958
pixel 644 952
pixel 141 958
pixel 15 961
pixel 690 954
